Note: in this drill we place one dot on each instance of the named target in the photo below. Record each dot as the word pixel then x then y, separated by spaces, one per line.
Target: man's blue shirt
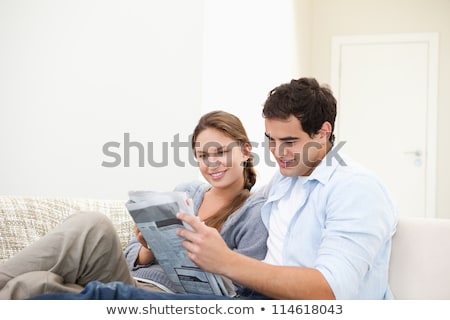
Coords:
pixel 343 227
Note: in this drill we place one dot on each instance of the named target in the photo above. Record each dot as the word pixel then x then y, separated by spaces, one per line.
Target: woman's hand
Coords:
pixel 140 237
pixel 145 255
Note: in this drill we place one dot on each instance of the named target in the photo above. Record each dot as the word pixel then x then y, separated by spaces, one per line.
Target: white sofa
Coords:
pixel 420 261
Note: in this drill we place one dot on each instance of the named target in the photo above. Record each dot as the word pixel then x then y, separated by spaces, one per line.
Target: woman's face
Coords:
pixel 220 159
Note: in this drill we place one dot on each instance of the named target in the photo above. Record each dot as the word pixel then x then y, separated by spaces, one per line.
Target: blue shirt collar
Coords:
pixel 326 167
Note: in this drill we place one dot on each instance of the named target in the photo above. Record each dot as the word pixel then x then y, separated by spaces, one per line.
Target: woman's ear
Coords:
pixel 246 150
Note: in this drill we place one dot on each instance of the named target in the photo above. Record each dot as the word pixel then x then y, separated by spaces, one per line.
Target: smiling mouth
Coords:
pixel 286 163
pixel 217 175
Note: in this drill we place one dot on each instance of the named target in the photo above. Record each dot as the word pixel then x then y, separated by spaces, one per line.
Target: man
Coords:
pixel 330 222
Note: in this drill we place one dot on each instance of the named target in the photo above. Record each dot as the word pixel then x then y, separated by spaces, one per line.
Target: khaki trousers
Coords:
pixel 83 248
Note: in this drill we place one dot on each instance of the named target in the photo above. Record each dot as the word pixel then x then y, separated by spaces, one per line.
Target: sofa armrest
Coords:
pixel 420 259
pixel 24 220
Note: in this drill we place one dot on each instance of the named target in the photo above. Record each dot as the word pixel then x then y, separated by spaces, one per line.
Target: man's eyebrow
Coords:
pixel 288 138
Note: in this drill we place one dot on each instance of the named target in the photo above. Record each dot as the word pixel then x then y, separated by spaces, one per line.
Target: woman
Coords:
pixel 223 150
pixel 85 247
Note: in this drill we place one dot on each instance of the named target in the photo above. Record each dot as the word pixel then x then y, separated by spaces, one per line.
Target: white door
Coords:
pixel 386 91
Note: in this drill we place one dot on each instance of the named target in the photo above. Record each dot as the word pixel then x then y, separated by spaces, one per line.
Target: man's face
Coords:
pixel 296 153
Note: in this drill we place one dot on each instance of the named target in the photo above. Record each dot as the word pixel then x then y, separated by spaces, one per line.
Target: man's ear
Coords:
pixel 325 131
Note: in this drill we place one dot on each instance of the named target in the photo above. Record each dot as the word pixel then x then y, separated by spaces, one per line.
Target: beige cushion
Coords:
pixel 420 259
pixel 23 220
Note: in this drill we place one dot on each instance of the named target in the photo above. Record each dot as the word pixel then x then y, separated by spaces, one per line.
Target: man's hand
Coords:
pixel 204 246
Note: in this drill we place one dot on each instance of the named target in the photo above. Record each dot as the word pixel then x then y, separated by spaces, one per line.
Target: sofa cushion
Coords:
pixel 23 220
pixel 420 260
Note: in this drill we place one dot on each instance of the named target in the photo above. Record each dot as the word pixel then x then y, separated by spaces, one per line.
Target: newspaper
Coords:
pixel 155 215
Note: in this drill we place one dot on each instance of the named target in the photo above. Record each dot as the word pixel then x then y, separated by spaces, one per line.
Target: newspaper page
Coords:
pixel 155 215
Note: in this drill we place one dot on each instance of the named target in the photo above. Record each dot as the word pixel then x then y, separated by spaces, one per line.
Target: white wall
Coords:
pixel 250 48
pixel 75 75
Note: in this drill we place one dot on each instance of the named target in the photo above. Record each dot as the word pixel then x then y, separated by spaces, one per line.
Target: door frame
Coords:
pixel 432 42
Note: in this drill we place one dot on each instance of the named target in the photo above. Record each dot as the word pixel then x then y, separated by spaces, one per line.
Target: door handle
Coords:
pixel 418 155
